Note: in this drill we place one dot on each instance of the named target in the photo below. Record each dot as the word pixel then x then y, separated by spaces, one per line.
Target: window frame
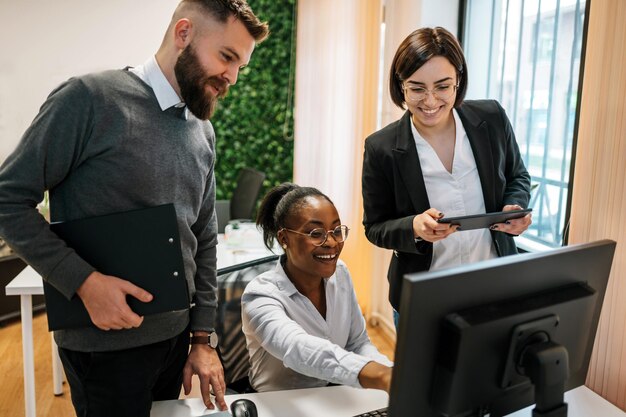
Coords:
pixel 527 244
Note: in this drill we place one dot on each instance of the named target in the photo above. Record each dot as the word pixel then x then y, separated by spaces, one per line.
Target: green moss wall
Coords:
pixel 254 123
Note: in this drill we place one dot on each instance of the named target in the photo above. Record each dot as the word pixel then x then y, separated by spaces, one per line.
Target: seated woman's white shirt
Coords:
pixel 292 346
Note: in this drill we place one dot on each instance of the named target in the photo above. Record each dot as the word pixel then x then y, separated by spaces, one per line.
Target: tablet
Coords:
pixel 481 221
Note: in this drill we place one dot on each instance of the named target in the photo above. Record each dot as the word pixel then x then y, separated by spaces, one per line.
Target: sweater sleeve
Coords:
pixel 48 152
pixel 204 311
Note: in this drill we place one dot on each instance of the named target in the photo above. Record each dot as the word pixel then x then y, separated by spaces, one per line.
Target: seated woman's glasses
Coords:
pixel 319 236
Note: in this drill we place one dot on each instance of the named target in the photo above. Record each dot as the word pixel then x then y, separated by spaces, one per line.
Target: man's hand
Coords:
pixel 204 362
pixel 104 297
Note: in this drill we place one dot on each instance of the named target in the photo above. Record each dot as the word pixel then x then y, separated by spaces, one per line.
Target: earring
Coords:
pixel 284 245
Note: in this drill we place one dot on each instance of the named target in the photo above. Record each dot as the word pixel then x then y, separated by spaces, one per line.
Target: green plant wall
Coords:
pixel 254 123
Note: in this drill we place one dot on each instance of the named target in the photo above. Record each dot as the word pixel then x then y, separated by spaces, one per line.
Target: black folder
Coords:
pixel 141 246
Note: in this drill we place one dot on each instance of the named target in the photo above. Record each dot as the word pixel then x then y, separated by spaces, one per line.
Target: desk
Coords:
pixel 342 401
pixel 581 402
pixel 337 401
pixel 28 283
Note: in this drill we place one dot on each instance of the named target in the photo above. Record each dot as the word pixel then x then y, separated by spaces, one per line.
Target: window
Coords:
pixel 526 54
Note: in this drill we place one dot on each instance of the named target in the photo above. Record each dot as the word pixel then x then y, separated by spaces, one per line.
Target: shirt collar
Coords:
pixel 459 129
pixel 151 74
pixel 283 282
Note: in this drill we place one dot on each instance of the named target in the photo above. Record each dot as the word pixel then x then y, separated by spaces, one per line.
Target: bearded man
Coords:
pixel 120 140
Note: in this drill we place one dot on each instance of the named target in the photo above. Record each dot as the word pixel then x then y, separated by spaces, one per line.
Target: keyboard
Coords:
pixel 381 412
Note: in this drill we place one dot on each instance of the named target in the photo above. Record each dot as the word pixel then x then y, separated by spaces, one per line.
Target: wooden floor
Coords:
pixel 12 374
pixel 47 404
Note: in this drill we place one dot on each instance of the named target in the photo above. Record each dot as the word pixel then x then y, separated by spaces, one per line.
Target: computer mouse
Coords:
pixel 243 408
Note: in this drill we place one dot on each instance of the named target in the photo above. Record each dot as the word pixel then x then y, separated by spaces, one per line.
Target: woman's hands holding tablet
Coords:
pixel 426 227
pixel 432 226
pixel 513 226
pixel 512 220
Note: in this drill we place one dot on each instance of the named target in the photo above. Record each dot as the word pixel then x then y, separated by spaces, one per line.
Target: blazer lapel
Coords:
pixel 480 141
pixel 407 161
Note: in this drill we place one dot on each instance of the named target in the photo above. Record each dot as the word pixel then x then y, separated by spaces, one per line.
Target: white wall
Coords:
pixel 401 18
pixel 42 43
pixel 444 13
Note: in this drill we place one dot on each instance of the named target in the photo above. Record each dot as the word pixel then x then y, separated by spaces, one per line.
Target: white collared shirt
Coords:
pixel 289 342
pixel 151 74
pixel 455 194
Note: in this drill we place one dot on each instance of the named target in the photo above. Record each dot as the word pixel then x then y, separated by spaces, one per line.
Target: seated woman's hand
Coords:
pixel 514 226
pixel 377 376
pixel 426 227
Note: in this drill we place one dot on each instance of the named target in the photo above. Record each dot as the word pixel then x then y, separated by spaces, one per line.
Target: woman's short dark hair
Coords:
pixel 280 203
pixel 419 47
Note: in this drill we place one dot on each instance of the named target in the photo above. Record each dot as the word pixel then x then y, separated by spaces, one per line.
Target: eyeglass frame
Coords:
pixel 326 233
pixel 432 92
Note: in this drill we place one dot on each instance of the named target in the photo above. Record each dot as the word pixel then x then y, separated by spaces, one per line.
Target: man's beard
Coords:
pixel 192 82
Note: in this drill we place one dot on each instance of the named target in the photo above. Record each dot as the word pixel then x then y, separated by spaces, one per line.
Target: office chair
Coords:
pixel 232 346
pixel 243 201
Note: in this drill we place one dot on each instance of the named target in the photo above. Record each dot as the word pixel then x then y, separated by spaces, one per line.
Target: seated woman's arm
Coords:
pixel 302 352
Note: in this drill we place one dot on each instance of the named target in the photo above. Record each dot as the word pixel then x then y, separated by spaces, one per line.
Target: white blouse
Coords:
pixel 455 194
pixel 289 342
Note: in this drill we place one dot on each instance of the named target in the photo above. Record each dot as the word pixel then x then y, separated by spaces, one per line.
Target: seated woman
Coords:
pixel 302 323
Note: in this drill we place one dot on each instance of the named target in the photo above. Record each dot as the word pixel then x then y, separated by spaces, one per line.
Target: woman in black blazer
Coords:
pixel 444 157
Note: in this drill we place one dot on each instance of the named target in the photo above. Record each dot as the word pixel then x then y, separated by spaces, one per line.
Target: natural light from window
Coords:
pixel 526 54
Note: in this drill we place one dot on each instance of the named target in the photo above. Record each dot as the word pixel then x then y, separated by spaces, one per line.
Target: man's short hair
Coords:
pixel 222 10
pixel 417 49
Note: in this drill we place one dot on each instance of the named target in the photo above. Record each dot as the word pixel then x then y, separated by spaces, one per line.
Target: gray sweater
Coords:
pixel 101 144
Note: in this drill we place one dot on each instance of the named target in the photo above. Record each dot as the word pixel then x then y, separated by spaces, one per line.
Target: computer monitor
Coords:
pixel 470 338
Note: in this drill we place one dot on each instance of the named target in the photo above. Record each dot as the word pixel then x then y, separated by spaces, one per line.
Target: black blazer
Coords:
pixel 394 190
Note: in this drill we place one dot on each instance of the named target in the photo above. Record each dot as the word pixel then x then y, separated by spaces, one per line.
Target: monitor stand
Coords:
pixel 546 364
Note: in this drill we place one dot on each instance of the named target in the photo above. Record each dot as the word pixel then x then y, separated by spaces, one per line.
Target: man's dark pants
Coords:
pixel 125 382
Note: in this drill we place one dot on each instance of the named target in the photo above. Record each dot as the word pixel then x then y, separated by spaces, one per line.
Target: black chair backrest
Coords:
pixel 232 341
pixel 243 201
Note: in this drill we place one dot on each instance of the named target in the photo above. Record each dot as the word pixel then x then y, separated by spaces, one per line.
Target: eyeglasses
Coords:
pixel 441 92
pixel 319 236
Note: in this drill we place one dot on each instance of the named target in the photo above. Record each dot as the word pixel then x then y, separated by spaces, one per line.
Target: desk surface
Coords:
pixel 343 401
pixel 582 402
pixel 27 282
pixel 339 401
